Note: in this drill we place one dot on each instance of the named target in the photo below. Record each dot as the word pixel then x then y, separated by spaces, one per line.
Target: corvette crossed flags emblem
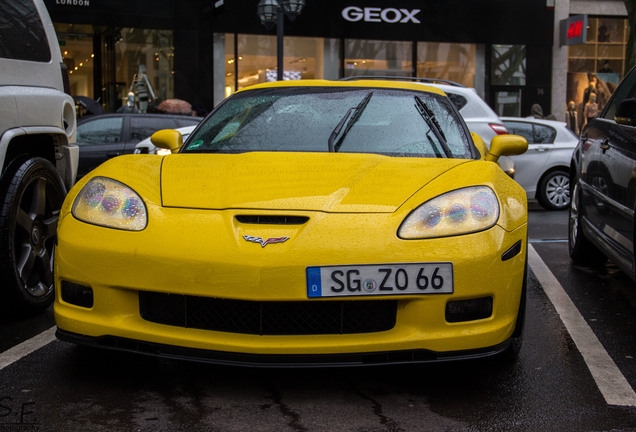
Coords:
pixel 263 242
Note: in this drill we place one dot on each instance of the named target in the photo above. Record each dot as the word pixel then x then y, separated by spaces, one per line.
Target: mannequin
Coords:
pixel 130 105
pixel 142 89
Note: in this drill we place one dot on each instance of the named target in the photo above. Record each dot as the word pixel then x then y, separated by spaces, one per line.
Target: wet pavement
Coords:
pixel 61 387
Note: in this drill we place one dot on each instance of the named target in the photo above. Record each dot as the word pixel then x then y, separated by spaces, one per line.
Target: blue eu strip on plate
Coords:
pixel 313 282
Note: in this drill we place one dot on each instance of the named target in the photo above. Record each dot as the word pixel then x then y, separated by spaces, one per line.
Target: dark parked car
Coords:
pixel 105 136
pixel 603 184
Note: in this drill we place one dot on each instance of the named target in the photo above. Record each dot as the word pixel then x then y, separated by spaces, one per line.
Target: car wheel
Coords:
pixel 32 194
pixel 581 250
pixel 554 190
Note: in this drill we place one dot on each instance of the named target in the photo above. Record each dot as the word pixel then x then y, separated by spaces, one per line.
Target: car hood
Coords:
pixel 328 182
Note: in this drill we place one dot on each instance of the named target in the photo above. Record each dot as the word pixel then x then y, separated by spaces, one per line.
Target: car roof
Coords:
pixel 475 106
pixel 155 115
pixel 347 84
pixel 553 123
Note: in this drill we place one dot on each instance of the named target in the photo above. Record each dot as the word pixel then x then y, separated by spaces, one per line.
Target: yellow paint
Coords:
pixel 355 203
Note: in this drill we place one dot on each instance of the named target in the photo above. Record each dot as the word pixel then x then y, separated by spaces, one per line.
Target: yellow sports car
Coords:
pixel 302 223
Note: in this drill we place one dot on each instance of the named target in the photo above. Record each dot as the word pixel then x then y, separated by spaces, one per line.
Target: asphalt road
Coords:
pixel 556 385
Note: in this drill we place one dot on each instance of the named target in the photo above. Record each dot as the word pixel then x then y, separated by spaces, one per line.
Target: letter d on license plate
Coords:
pixel 380 279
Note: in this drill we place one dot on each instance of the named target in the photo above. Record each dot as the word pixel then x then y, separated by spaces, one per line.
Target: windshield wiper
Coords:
pixel 355 113
pixel 433 124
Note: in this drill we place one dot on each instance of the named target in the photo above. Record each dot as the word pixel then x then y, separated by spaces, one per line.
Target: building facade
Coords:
pixel 204 50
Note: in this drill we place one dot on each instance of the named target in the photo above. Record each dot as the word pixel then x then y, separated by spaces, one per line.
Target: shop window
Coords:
pixel 508 103
pixel 254 59
pixel 144 65
pixel 231 65
pixel 508 65
pixel 597 65
pixel 448 61
pixel 76 44
pixel 378 58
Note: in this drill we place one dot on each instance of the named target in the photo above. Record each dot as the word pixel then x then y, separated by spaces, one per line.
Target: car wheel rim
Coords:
pixel 558 191
pixel 574 217
pixel 36 225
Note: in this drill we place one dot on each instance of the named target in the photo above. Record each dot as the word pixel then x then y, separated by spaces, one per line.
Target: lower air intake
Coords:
pixel 268 318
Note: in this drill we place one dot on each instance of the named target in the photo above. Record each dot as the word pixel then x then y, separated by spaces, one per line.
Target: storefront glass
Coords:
pixel 508 65
pixel 597 65
pixel 134 60
pixel 448 61
pixel 252 59
pixel 144 65
pixel 76 44
pixel 508 103
pixel 378 58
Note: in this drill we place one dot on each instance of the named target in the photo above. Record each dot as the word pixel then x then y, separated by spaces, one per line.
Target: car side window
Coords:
pixel 543 134
pixel 100 131
pixel 458 100
pixel 523 129
pixel 142 127
pixel 626 90
pixel 22 35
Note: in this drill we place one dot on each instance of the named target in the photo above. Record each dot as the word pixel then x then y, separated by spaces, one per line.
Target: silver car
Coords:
pixel 543 170
pixel 147 147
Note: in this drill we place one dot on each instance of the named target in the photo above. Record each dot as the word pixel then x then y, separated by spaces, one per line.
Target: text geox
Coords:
pixel 389 15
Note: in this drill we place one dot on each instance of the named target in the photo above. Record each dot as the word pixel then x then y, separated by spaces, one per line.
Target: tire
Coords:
pixel 31 195
pixel 581 250
pixel 554 190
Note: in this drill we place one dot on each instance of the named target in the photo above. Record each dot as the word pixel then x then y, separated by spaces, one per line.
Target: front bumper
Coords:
pixel 187 258
pixel 280 360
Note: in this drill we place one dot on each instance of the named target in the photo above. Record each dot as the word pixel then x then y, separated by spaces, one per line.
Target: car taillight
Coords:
pixel 498 128
pixel 65 78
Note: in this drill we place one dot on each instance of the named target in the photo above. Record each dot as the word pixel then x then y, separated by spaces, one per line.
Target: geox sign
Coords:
pixel 388 15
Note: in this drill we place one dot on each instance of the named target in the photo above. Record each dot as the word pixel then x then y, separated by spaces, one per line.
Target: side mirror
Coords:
pixel 506 145
pixel 169 139
pixel 626 113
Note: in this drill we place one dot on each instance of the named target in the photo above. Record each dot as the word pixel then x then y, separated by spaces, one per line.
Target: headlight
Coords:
pixel 106 202
pixel 461 211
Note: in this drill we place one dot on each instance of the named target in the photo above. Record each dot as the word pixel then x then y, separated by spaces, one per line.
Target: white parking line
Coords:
pixel 609 379
pixel 27 347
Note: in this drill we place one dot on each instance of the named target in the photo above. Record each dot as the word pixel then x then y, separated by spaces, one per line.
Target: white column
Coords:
pixel 559 61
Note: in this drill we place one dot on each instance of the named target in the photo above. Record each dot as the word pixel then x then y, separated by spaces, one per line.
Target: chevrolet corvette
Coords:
pixel 302 223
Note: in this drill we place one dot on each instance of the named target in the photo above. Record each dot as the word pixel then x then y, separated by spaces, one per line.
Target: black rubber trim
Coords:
pixel 278 360
pixel 512 252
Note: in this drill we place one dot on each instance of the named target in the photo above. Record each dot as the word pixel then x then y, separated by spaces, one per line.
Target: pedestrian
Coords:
pixel 571 118
pixel 591 109
pixel 198 110
pixel 536 111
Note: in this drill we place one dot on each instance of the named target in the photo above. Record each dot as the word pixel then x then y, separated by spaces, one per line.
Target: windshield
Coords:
pixel 346 120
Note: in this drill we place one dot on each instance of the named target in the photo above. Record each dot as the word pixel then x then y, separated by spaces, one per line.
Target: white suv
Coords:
pixel 38 158
pixel 479 117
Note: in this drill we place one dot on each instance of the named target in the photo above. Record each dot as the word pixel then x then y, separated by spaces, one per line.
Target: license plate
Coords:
pixel 383 279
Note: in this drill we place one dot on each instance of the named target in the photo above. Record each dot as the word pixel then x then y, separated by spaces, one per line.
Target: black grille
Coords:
pixel 268 318
pixel 272 220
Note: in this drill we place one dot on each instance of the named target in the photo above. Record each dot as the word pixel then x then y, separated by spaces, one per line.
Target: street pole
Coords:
pixel 265 10
pixel 279 43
